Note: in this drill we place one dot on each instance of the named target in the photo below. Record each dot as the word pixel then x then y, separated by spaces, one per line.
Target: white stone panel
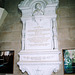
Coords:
pixel 38 35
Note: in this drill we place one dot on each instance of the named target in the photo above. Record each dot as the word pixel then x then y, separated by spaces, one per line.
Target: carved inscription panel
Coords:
pixel 48 57
pixel 38 34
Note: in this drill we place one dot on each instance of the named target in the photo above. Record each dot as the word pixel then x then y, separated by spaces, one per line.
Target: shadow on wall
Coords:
pixel 2 74
pixel 66 2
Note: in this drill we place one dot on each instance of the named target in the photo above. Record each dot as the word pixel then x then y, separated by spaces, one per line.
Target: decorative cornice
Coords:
pixel 29 3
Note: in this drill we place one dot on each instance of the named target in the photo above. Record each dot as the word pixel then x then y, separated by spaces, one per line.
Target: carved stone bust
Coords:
pixel 38 10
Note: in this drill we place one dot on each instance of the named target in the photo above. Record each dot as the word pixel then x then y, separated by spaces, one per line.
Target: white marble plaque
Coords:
pixel 38 35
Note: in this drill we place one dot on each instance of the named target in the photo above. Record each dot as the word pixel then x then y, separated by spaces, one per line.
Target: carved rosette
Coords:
pixel 39 54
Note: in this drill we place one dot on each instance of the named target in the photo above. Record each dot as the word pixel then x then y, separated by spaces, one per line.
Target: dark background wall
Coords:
pixel 10 31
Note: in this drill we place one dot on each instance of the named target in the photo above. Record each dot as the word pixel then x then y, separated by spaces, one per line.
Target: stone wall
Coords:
pixel 10 31
pixel 10 38
pixel 66 27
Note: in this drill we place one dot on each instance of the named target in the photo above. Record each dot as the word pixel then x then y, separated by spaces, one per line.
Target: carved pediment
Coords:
pixel 31 3
pixel 28 8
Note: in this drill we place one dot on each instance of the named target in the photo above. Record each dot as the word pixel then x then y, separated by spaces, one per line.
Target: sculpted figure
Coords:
pixel 38 10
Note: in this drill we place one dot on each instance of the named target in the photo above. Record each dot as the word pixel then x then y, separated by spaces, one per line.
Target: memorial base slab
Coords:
pixel 39 63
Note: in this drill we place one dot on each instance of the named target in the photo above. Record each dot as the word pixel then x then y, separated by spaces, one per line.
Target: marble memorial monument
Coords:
pixel 39 54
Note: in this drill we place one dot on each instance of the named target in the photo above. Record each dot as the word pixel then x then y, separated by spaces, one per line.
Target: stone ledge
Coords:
pixel 3 14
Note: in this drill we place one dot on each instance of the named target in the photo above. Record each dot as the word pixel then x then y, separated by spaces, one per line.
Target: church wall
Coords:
pixel 66 27
pixel 10 31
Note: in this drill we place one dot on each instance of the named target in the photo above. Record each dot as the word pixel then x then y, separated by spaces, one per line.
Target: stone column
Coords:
pixel 23 35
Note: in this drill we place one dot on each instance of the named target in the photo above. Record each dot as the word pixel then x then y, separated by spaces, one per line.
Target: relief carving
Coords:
pixel 38 10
